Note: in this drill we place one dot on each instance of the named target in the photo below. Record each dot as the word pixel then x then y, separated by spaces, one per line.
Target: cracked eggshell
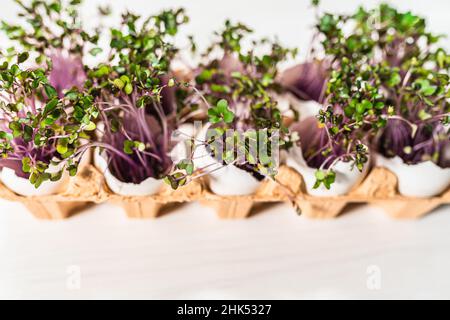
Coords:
pixel 228 180
pixel 425 179
pixel 304 108
pixel 181 150
pixel 148 187
pixel 23 187
pixel 346 176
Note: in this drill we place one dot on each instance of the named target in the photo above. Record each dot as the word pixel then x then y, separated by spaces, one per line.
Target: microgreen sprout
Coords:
pixel 135 96
pixel 380 78
pixel 51 32
pixel 237 88
pixel 41 135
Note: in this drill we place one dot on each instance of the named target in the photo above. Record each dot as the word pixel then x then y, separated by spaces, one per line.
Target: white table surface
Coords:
pixel 192 254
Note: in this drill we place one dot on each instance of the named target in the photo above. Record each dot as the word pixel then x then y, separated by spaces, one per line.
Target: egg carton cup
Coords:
pixel 282 189
pixel 88 188
pixel 155 205
pixel 379 188
pixel 81 192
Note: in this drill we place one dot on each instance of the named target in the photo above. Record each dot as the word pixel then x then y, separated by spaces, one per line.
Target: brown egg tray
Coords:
pixel 88 188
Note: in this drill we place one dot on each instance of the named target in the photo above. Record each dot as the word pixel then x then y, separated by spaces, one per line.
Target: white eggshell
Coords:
pixel 23 186
pixel 180 66
pixel 346 176
pixel 181 150
pixel 304 108
pixel 224 180
pixel 148 187
pixel 425 179
pixel 232 181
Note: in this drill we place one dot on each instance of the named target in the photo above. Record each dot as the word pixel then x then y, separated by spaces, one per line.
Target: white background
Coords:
pixel 191 254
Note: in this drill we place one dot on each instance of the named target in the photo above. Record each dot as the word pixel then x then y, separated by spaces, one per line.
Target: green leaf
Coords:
pixel 407 149
pixel 23 57
pixel 425 87
pixel 56 176
pixel 214 117
pixel 317 184
pixel 95 51
pixel 330 179
pixel 441 58
pixel 101 71
pixel 423 115
pixel 139 145
pixel 125 79
pixel 394 80
pixel 90 127
pixel 27 133
pixel 142 101
pixel 363 106
pixel 5 136
pixel 62 146
pixel 220 88
pixel 320 175
pixel 38 140
pixel 128 88
pixel 187 165
pixel 228 117
pixel 26 165
pixel 4 65
pixel 221 113
pixel 204 76
pixel 119 84
pixel 175 180
pixel 327 178
pixel 128 146
pixel 72 170
pixel 50 91
pixel 379 105
pixel 51 106
pixel 16 128
pixel 348 111
pixel 72 95
pixel 222 105
pixel 41 178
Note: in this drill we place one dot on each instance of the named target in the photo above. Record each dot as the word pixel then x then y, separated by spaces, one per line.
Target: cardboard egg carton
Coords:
pixel 155 205
pixel 379 188
pixel 81 192
pixel 89 187
pixel 283 189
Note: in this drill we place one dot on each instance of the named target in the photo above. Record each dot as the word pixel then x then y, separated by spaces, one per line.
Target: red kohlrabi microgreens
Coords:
pixel 52 33
pixel 135 96
pixel 415 83
pixel 378 72
pixel 38 129
pixel 237 88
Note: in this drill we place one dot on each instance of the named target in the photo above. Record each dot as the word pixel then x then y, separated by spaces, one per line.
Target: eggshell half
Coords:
pixel 23 186
pixel 425 179
pixel 224 180
pixel 346 176
pixel 148 187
